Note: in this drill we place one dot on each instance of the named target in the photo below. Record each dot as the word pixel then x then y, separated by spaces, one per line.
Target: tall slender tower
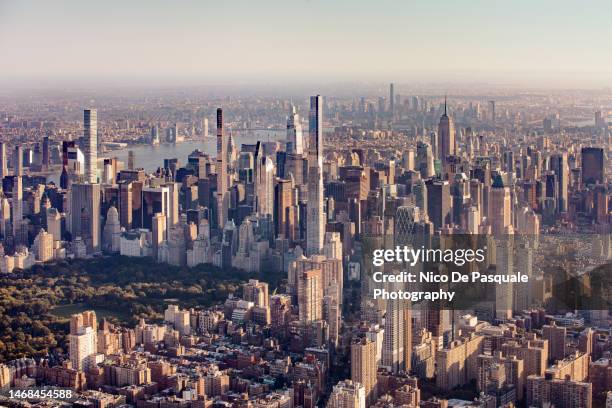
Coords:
pixel 315 218
pixel 18 161
pixel 3 165
pixel 446 135
pixel 90 140
pixel 221 171
pixel 294 132
pixel 17 203
pixel 391 101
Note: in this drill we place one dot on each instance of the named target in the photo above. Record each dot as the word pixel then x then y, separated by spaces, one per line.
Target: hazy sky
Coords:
pixel 307 40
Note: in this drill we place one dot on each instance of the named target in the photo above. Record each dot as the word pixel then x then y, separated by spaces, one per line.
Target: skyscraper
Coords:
pixel 363 366
pixel 85 214
pixel 18 161
pixel 222 182
pixel 310 296
pixel 500 211
pixel 17 207
pixel 559 165
pixel 315 218
pixel 45 153
pixel 391 101
pixel 592 165
pixel 264 186
pixel 3 164
pixel 90 144
pixel 446 136
pixel 295 137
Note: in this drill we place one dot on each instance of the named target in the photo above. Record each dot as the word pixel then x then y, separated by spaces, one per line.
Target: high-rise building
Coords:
pixel 3 161
pixel 315 217
pixel 439 202
pixel 397 340
pixel 85 214
pixel 391 101
pixel 363 367
pixel 425 160
pixel 559 165
pixel 256 292
pixel 43 245
pixel 90 144
pixel 500 210
pixel 17 209
pixel 593 165
pixel 283 204
pixel 82 339
pixel 295 137
pixel 18 161
pixel 310 295
pixel 446 136
pixel 264 186
pixel 556 336
pixel 221 168
pixel 46 159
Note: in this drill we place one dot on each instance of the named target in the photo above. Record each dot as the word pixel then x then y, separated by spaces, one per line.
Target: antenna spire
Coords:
pixel 445 104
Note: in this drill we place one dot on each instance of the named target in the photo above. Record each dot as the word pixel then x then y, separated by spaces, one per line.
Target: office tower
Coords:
pixel 405 219
pixel 446 136
pixel 425 160
pixel 420 198
pixel 347 394
pixel 264 186
pixel 315 217
pixel 391 101
pixel 438 202
pixel 492 114
pixel 17 209
pixel 3 161
pixel 18 161
pixel 295 137
pixel 43 246
pixel 221 168
pixel 558 164
pixel 90 144
pixel 500 211
pixel 310 295
pixel 85 214
pixel 131 160
pixel 363 367
pixel 593 165
pixel 283 202
pixel 556 336
pixel 46 159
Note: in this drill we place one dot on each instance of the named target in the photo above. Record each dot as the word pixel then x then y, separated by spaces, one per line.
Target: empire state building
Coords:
pixel 446 136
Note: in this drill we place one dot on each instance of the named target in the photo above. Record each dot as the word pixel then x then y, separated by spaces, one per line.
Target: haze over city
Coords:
pixel 540 44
